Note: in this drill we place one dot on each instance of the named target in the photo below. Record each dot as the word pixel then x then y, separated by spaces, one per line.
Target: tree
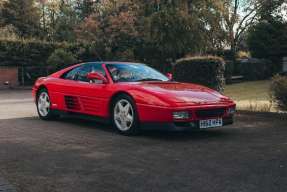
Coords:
pixel 114 27
pixel 163 30
pixel 65 22
pixel 171 35
pixel 208 17
pixel 50 15
pixel 58 20
pixel 271 9
pixel 86 7
pixel 268 39
pixel 23 15
pixel 1 19
pixel 239 15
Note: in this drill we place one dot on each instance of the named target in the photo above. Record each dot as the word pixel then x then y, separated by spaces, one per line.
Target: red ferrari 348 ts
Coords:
pixel 131 96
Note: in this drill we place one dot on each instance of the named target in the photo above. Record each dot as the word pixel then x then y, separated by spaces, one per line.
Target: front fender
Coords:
pixel 151 107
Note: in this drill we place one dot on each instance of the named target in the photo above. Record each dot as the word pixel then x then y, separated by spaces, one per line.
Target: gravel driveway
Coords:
pixel 81 156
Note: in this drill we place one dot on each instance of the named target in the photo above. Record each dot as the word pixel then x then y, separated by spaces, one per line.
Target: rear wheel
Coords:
pixel 44 105
pixel 124 115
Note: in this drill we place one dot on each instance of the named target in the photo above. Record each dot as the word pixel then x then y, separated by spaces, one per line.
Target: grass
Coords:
pixel 251 90
pixel 251 96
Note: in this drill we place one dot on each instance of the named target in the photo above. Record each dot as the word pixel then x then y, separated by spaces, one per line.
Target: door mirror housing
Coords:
pixel 97 76
pixel 169 76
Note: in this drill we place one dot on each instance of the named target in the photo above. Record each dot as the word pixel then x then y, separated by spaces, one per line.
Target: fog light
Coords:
pixel 231 111
pixel 180 115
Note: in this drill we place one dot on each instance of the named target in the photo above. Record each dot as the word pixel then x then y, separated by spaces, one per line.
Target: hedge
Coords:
pixel 18 53
pixel 205 70
pixel 36 57
pixel 32 56
pixel 279 91
pixel 254 69
pixel 60 59
pixel 223 53
pixel 36 53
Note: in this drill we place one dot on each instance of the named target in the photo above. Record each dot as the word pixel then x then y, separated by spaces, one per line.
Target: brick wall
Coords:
pixel 8 74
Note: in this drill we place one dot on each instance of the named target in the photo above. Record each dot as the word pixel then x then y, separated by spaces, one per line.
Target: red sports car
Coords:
pixel 131 96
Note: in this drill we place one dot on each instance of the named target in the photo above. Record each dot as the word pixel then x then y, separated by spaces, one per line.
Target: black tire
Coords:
pixel 50 113
pixel 134 127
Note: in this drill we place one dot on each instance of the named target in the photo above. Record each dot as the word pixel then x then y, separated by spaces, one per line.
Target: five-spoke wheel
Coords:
pixel 124 116
pixel 44 105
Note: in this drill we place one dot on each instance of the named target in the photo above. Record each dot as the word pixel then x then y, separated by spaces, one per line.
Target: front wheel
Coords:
pixel 44 105
pixel 124 115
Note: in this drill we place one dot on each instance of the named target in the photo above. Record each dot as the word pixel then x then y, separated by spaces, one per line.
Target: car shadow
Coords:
pixel 87 123
pixel 152 134
pixel 79 123
pixel 184 135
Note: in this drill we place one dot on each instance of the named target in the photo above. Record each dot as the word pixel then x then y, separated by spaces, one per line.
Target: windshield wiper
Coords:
pixel 149 79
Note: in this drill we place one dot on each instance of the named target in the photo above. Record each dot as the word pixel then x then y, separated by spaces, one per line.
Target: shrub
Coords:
pixel 229 69
pixel 8 32
pixel 61 58
pixel 226 54
pixel 254 69
pixel 205 70
pixel 279 91
pixel 243 55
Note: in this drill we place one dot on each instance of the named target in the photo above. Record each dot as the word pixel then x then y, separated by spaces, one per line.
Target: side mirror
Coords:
pixel 97 76
pixel 169 76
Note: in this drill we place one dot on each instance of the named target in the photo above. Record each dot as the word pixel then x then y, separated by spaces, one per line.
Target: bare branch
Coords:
pixel 247 24
pixel 235 12
pixel 246 17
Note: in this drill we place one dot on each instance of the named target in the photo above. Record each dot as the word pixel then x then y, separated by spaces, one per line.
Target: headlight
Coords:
pixel 231 111
pixel 180 115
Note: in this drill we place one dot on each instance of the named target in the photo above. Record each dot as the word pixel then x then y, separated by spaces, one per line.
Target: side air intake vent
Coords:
pixel 72 103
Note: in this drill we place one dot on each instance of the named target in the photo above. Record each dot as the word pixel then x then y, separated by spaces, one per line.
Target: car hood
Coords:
pixel 184 92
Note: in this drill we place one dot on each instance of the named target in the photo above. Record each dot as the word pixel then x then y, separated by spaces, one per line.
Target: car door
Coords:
pixel 93 94
pixel 81 95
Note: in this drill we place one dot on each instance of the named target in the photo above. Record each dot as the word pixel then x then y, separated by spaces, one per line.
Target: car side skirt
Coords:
pixel 82 116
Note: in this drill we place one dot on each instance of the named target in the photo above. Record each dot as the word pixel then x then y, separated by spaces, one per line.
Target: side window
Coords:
pixel 83 72
pixel 80 73
pixel 71 75
pixel 98 68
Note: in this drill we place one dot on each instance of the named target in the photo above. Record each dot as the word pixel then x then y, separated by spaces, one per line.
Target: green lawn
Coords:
pixel 251 90
pixel 252 96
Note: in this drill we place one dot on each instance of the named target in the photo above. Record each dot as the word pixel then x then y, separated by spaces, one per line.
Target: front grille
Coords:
pixel 205 113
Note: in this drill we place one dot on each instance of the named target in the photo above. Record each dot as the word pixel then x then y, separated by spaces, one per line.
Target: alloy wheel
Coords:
pixel 123 115
pixel 44 104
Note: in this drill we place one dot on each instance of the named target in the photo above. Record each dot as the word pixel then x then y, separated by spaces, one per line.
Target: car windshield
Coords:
pixel 134 73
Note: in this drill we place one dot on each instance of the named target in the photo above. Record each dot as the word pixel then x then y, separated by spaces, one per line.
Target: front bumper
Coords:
pixel 181 126
pixel 152 113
